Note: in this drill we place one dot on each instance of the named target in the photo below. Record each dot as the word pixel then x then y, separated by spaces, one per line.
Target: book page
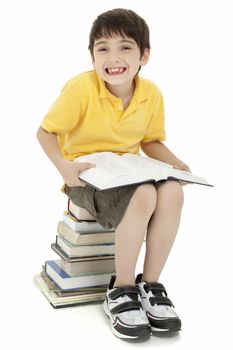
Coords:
pixel 122 165
pixel 142 162
pixel 114 170
pixel 107 162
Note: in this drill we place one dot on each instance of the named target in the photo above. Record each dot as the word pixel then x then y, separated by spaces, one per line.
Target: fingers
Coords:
pixel 183 167
pixel 71 171
pixel 75 182
pixel 80 183
pixel 85 165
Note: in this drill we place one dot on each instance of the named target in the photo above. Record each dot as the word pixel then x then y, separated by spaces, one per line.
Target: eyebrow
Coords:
pixel 120 41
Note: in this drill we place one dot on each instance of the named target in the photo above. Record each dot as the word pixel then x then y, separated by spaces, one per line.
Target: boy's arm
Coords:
pixel 157 150
pixel 69 170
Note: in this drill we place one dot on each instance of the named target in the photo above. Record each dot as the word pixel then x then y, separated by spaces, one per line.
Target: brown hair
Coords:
pixel 125 23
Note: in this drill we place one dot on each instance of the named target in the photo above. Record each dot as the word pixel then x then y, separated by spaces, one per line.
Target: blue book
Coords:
pixel 65 281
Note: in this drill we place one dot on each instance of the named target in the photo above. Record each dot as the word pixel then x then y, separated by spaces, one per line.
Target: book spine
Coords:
pixel 69 234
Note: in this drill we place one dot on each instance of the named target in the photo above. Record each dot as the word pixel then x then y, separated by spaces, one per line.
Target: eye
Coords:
pixel 102 49
pixel 125 48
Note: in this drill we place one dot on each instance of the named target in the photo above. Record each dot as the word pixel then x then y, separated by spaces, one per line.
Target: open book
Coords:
pixel 114 170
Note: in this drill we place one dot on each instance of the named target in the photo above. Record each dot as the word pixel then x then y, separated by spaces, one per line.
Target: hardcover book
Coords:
pixel 73 259
pixel 65 281
pixel 85 250
pixel 78 212
pixel 59 298
pixel 88 266
pixel 113 170
pixel 76 237
pixel 83 226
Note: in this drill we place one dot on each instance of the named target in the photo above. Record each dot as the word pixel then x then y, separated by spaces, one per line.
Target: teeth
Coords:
pixel 116 70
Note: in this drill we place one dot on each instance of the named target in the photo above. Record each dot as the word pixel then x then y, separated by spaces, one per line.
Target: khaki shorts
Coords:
pixel 107 206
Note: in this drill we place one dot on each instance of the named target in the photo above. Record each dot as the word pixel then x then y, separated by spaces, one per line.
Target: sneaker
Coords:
pixel 159 309
pixel 124 308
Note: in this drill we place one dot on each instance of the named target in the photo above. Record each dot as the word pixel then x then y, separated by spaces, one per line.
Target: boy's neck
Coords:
pixel 124 92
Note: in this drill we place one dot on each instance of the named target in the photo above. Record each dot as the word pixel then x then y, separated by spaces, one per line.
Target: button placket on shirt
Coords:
pixel 120 107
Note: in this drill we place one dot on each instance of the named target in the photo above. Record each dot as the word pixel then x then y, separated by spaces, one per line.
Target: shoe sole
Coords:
pixel 165 326
pixel 140 334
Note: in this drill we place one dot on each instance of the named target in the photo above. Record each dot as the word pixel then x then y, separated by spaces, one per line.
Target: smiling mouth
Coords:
pixel 115 70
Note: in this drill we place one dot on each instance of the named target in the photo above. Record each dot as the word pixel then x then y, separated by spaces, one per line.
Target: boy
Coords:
pixel 112 109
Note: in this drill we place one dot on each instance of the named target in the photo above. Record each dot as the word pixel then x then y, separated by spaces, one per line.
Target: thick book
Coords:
pixel 60 299
pixel 65 281
pixel 73 259
pixel 83 226
pixel 78 212
pixel 113 170
pixel 65 293
pixel 85 250
pixel 81 238
pixel 88 266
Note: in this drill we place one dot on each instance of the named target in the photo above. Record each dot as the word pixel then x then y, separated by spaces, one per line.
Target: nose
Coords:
pixel 113 58
pixel 113 61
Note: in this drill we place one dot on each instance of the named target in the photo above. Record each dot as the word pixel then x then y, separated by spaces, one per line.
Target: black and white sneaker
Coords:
pixel 124 308
pixel 159 309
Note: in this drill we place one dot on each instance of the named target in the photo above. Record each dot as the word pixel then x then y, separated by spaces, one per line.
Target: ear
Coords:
pixel 145 57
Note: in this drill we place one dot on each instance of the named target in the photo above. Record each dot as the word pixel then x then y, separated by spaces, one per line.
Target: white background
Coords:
pixel 43 44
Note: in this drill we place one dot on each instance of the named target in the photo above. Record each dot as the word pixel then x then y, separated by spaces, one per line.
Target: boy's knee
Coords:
pixel 172 192
pixel 145 198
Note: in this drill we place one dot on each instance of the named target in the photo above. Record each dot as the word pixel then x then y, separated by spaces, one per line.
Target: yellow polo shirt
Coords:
pixel 87 118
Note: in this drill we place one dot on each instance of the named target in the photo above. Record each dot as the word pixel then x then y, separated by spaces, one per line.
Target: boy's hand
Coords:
pixel 185 167
pixel 182 166
pixel 70 172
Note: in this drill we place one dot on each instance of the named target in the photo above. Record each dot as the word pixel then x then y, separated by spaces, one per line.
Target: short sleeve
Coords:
pixel 63 115
pixel 156 126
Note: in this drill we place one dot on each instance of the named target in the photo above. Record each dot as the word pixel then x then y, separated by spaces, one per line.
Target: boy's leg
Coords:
pixel 131 231
pixel 160 237
pixel 162 229
pixel 123 303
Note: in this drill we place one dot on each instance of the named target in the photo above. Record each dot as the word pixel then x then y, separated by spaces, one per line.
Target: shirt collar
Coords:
pixel 138 97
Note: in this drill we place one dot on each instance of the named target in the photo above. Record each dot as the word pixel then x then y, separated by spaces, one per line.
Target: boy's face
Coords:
pixel 117 59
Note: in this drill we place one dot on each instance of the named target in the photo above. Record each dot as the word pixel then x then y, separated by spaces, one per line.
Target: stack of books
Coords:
pixel 86 261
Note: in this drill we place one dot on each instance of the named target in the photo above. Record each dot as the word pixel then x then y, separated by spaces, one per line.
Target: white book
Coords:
pixel 113 170
pixel 83 226
pixel 76 237
pixel 79 213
